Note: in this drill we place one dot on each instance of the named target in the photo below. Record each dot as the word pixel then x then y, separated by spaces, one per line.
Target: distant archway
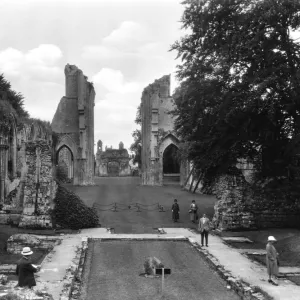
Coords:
pixel 171 163
pixel 65 164
pixel 113 168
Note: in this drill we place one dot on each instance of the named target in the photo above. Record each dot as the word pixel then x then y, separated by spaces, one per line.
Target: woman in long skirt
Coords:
pixel 175 211
pixel 272 260
pixel 193 212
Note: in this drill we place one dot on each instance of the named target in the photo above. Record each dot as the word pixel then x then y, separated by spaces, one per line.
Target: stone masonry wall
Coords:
pixel 240 207
pixel 157 129
pixel 39 186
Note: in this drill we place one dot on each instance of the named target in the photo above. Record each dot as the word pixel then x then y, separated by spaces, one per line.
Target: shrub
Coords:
pixel 71 212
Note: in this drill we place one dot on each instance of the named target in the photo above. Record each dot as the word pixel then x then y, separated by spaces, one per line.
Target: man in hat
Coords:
pixel 25 269
pixel 272 260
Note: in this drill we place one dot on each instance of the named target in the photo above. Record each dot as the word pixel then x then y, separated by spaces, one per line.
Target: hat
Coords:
pixel 271 239
pixel 26 251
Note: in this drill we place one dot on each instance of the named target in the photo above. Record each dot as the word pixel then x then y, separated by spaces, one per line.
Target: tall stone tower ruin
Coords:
pixel 74 124
pixel 159 142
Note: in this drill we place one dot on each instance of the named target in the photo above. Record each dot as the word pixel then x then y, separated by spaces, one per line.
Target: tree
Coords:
pixel 239 95
pixel 16 100
pixel 136 146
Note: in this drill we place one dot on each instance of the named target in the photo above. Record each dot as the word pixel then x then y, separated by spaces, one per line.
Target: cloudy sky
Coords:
pixel 122 46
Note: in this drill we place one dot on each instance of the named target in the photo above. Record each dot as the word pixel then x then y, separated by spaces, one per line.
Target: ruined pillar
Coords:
pixel 74 122
pixel 3 169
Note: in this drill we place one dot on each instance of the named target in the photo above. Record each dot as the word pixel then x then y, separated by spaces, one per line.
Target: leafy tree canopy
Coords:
pixel 239 95
pixel 16 100
pixel 136 146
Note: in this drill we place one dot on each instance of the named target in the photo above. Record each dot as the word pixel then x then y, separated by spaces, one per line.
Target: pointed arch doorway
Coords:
pixel 171 165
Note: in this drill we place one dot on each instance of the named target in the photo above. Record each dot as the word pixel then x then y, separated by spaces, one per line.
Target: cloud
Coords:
pixel 38 63
pixel 113 81
pixel 129 34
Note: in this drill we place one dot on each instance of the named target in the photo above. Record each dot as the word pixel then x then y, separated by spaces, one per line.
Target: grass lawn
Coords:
pixel 113 268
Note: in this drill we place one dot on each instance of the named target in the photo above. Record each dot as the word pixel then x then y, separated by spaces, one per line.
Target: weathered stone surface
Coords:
pixel 239 207
pixel 3 279
pixel 157 130
pixel 112 162
pixel 17 242
pixel 74 124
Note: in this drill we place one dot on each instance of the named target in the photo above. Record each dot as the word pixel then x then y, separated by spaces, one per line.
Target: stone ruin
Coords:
pixel 112 162
pixel 31 152
pixel 73 124
pixel 27 186
pixel 159 141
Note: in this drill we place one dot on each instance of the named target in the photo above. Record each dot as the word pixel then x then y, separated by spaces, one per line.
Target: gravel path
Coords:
pixel 126 190
pixel 113 267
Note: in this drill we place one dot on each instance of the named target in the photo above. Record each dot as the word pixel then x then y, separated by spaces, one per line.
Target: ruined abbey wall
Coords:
pixel 157 129
pixel 27 183
pixel 73 123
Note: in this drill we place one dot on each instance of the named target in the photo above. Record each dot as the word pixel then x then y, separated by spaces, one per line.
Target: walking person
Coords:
pixel 25 269
pixel 272 260
pixel 193 212
pixel 203 227
pixel 175 211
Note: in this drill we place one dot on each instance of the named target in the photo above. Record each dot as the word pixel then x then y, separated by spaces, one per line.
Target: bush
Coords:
pixel 71 212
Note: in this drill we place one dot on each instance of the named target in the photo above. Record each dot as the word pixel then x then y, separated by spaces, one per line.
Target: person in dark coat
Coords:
pixel 25 269
pixel 175 211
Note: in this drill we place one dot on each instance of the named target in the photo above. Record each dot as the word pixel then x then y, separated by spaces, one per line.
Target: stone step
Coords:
pixel 253 251
pixel 237 239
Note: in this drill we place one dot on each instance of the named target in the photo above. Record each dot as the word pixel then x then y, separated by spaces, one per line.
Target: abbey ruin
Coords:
pixel 112 162
pixel 73 123
pixel 159 142
pixel 32 151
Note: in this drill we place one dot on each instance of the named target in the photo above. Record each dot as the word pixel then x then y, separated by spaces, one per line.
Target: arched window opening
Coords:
pixel 65 164
pixel 171 165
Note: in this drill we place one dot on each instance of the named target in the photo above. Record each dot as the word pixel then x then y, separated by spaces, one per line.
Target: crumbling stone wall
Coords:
pixel 239 206
pixel 39 186
pixel 73 123
pixel 157 129
pixel 30 179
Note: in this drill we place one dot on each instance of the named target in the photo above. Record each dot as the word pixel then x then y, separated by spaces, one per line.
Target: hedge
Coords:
pixel 71 212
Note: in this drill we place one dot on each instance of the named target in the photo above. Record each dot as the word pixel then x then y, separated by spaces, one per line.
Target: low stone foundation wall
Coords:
pixel 9 218
pixel 17 242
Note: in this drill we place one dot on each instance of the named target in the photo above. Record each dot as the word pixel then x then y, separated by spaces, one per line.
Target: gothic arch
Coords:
pixel 67 141
pixel 166 141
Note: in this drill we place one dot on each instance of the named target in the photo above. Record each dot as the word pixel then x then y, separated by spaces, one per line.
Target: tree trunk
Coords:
pixel 200 177
pixel 187 180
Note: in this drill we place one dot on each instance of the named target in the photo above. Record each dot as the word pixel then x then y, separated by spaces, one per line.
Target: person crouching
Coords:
pixel 25 269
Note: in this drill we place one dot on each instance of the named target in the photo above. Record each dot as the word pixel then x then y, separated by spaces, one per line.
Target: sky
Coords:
pixel 121 46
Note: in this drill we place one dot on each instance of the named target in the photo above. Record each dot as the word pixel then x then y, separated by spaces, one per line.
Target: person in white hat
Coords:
pixel 272 260
pixel 25 269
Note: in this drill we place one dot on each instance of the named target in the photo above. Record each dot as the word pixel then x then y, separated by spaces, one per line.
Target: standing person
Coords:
pixel 272 260
pixel 193 212
pixel 175 211
pixel 204 229
pixel 25 269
